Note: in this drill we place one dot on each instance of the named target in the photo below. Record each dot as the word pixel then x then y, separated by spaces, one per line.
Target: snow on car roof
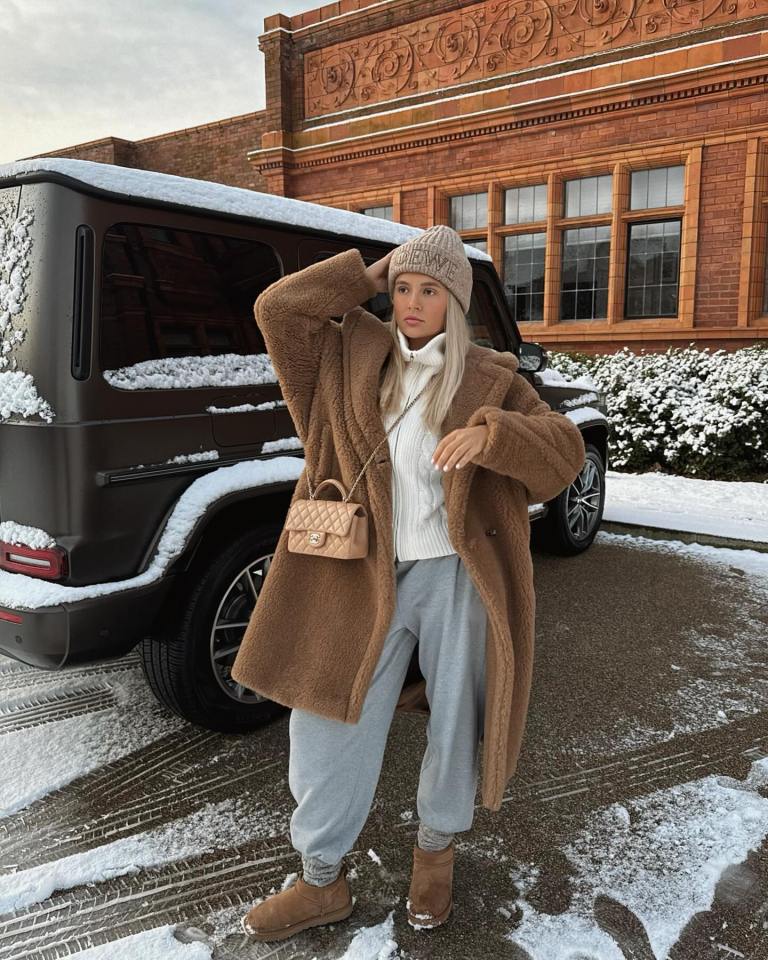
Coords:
pixel 220 198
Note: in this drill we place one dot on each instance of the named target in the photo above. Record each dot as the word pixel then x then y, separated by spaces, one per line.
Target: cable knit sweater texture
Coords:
pixel 420 520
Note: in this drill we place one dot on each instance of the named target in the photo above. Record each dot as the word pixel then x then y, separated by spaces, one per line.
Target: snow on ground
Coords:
pixel 34 763
pixel 725 657
pixel 754 563
pixel 368 943
pixel 661 856
pixel 374 943
pixel 157 944
pixel 214 826
pixel 723 508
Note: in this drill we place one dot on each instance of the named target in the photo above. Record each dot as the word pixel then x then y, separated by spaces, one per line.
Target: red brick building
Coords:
pixel 611 157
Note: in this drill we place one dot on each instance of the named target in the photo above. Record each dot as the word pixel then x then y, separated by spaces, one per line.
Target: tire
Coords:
pixel 185 665
pixel 574 516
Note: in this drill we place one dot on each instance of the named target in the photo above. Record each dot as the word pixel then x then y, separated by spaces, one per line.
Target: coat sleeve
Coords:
pixel 530 442
pixel 294 316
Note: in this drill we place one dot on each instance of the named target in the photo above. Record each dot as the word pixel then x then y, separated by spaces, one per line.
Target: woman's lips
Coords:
pixel 412 320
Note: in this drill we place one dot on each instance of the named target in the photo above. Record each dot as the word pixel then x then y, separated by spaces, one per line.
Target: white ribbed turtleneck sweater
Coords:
pixel 418 505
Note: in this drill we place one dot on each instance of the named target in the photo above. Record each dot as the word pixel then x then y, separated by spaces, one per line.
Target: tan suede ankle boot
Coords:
pixel 430 897
pixel 298 907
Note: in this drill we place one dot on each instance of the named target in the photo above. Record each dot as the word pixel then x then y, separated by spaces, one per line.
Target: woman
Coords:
pixel 448 567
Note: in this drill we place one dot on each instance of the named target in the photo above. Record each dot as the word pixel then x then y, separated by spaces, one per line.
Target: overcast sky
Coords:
pixel 86 69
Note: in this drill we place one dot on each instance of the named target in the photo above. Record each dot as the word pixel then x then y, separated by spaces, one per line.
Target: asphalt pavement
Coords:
pixel 648 711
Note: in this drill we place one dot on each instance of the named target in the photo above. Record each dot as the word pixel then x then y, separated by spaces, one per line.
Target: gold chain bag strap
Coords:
pixel 333 528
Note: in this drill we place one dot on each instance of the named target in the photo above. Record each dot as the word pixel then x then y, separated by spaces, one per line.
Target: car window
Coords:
pixel 485 323
pixel 167 292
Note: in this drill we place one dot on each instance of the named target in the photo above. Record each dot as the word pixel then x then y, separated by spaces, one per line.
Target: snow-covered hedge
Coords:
pixel 687 411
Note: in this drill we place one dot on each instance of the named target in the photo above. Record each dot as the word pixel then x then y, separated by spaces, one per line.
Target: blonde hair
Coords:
pixel 440 392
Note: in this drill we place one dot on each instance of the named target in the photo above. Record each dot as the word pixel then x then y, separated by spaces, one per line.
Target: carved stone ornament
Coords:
pixel 491 39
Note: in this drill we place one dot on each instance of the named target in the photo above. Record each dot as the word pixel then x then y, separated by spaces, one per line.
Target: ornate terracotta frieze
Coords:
pixel 491 39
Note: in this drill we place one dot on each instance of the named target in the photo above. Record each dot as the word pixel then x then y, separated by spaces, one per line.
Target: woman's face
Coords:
pixel 423 298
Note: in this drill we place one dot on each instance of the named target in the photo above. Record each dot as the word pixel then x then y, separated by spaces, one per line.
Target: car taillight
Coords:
pixel 49 563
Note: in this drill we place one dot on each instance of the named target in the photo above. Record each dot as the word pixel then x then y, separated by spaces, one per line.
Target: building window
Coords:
pixel 525 204
pixel 386 213
pixel 526 225
pixel 470 211
pixel 660 187
pixel 653 269
pixel 524 275
pixel 584 290
pixel 588 196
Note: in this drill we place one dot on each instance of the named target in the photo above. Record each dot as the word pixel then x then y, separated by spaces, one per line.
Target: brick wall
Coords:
pixel 214 151
pixel 720 229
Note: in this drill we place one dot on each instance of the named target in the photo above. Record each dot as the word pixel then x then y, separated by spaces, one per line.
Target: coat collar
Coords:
pixel 486 380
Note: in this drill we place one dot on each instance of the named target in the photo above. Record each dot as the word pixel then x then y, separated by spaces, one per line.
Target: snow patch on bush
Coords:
pixel 694 412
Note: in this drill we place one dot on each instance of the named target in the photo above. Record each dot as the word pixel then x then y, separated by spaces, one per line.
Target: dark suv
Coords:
pixel 148 458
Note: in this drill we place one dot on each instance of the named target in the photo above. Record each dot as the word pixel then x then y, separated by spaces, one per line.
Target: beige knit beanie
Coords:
pixel 439 253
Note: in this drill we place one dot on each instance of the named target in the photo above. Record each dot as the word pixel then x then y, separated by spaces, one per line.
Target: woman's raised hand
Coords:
pixel 378 272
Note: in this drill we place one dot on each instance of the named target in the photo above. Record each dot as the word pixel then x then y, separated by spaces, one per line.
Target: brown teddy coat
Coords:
pixel 317 629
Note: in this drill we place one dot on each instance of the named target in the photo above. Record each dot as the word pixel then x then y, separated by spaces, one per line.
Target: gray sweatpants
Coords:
pixel 334 767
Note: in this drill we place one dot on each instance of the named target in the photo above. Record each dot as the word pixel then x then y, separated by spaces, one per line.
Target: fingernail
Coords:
pixel 445 467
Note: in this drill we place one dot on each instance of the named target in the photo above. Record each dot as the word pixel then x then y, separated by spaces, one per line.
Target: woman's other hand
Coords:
pixel 459 447
pixel 378 272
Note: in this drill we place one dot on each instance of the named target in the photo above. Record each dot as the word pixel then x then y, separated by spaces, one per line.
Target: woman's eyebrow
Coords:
pixel 424 283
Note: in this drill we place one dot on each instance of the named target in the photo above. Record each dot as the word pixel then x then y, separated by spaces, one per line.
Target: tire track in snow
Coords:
pixel 172 776
pixel 637 775
pixel 686 758
pixel 56 706
pixel 183 891
pixel 28 677
pixel 109 781
pixel 160 803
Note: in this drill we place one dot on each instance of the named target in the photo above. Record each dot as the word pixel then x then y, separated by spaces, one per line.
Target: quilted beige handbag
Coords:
pixel 333 528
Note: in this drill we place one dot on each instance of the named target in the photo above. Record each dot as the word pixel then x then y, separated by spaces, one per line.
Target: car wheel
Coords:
pixel 574 516
pixel 188 665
